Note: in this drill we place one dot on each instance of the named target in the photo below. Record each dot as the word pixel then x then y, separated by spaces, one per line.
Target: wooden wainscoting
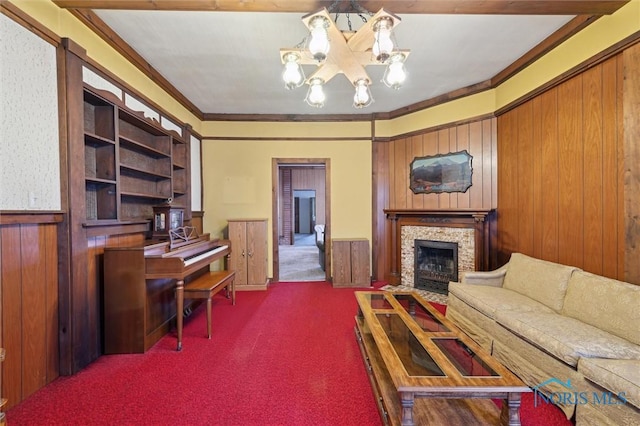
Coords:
pixel 29 294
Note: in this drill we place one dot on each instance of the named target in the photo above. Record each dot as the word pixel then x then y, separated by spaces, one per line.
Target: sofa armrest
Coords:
pixel 488 278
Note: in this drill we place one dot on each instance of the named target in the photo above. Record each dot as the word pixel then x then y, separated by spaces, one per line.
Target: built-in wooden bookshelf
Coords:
pixel 123 154
pixel 99 158
pixel 131 163
pixel 181 175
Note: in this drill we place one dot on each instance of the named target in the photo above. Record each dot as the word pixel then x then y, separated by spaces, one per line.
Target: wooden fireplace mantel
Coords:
pixel 479 220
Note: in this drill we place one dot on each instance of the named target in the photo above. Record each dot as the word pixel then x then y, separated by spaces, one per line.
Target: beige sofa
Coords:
pixel 577 334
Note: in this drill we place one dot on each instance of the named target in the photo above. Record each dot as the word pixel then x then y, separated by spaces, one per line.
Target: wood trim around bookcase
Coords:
pixel 82 240
pixel 481 221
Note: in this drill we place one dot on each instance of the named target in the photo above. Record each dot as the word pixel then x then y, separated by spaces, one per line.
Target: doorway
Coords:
pixel 304 213
pixel 301 202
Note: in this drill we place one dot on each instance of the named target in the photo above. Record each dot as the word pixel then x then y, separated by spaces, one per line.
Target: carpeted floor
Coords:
pixel 285 356
pixel 300 263
pixel 282 357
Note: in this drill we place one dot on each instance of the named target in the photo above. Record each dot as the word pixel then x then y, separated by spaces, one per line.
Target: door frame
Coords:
pixel 276 164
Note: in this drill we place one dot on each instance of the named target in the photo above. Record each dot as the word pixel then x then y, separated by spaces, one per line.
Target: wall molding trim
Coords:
pixel 22 217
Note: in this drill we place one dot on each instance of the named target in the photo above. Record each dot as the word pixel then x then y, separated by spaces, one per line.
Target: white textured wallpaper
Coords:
pixel 29 138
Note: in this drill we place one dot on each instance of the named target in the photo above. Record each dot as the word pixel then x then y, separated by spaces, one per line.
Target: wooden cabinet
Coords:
pixel 249 253
pixel 131 163
pixel 350 263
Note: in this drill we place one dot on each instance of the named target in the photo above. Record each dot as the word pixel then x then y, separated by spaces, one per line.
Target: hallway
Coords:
pixel 300 262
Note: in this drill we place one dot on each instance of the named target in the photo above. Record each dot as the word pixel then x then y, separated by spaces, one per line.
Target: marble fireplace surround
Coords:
pixel 471 229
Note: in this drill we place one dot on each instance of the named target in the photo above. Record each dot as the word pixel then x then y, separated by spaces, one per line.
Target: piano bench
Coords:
pixel 209 284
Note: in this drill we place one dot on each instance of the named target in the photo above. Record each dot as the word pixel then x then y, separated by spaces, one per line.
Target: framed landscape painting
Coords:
pixel 441 173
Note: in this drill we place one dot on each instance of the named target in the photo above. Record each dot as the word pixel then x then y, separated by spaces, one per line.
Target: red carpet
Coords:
pixel 287 356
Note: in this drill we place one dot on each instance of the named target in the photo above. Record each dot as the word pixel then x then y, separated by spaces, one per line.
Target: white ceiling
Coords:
pixel 229 62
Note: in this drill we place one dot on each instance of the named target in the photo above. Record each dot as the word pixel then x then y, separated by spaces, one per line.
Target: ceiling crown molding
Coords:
pixel 89 18
pixel 493 7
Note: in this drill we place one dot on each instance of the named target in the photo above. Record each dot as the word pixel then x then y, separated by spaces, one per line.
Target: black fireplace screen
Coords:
pixel 436 263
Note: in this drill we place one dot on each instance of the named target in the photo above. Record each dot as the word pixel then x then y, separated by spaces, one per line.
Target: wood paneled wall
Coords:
pixel 631 119
pixel 391 169
pixel 478 138
pixel 311 179
pixel 560 174
pixel 29 318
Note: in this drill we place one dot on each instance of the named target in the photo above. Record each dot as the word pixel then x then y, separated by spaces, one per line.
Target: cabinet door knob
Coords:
pixel 243 253
pixel 250 254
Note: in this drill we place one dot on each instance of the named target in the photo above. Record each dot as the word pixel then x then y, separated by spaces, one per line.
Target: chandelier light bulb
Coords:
pixel 362 97
pixel 315 96
pixel 319 41
pixel 383 43
pixel 374 44
pixel 293 75
pixel 396 74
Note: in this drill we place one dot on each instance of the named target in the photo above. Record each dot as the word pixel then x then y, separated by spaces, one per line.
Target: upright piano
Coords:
pixel 144 289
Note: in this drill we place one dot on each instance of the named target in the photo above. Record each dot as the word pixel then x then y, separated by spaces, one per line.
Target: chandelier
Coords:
pixel 345 52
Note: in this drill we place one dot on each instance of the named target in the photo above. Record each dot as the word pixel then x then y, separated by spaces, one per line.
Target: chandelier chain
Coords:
pixel 355 6
pixel 360 10
pixel 333 6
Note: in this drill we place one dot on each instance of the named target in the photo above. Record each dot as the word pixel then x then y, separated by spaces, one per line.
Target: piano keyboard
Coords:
pixel 192 260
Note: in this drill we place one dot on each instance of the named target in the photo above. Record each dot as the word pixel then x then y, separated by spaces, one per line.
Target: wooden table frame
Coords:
pixel 397 390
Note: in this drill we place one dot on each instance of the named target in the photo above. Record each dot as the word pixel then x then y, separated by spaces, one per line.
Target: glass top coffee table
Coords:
pixel 424 370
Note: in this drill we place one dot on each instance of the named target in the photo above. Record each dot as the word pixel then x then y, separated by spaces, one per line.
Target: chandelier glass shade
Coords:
pixel 383 43
pixel 315 95
pixel 362 98
pixel 395 74
pixel 334 52
pixel 318 38
pixel 293 74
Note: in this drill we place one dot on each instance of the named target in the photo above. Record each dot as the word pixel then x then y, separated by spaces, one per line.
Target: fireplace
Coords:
pixel 436 263
pixel 470 229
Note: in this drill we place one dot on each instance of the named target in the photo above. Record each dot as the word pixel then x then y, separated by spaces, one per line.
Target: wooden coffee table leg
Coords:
pixel 406 399
pixel 510 414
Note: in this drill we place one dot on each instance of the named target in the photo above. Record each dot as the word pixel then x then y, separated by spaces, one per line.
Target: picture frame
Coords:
pixel 435 174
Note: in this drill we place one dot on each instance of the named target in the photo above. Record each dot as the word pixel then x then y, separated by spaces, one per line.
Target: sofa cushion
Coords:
pixel 543 281
pixel 608 304
pixel 488 300
pixel 566 338
pixel 615 375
